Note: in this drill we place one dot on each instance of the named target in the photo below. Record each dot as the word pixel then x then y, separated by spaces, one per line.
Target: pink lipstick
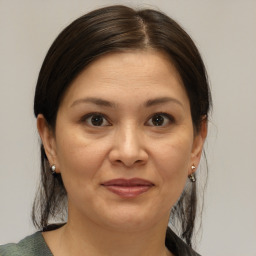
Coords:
pixel 128 188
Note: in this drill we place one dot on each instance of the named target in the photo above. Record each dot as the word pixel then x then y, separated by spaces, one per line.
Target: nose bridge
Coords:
pixel 128 146
pixel 129 139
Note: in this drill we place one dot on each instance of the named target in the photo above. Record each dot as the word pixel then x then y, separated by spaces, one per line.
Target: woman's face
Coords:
pixel 124 141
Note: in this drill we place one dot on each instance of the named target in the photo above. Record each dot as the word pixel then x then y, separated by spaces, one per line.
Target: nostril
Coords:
pixel 129 163
pixel 127 156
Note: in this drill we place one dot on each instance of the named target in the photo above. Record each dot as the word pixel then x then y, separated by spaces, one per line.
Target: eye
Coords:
pixel 160 119
pixel 96 119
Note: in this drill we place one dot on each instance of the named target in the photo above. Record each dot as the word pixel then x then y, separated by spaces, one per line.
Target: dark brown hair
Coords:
pixel 114 29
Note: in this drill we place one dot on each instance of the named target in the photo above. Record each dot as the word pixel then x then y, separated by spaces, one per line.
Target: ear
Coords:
pixel 48 139
pixel 198 144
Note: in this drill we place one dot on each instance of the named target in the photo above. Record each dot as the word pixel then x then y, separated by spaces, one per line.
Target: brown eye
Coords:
pixel 96 120
pixel 157 120
pixel 160 119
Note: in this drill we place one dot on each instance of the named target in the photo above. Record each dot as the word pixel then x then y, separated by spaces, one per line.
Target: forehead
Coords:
pixel 144 64
pixel 137 74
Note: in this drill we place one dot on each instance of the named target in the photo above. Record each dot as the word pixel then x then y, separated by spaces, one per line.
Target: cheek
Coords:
pixel 79 158
pixel 172 161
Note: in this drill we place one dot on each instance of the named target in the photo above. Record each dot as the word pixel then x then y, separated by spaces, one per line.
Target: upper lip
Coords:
pixel 128 182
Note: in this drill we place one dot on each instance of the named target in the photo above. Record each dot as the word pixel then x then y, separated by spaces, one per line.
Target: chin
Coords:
pixel 132 219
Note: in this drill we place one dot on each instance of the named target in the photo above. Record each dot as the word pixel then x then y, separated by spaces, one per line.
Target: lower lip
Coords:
pixel 128 192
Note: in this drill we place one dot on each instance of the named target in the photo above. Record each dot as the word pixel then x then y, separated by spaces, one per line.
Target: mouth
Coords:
pixel 128 188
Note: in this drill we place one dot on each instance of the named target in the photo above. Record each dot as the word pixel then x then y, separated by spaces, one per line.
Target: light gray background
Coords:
pixel 225 32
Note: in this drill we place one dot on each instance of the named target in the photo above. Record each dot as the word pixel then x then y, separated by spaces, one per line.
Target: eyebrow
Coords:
pixel 105 103
pixel 161 100
pixel 96 101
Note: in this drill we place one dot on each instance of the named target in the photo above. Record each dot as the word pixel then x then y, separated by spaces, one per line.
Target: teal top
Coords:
pixel 35 245
pixel 29 246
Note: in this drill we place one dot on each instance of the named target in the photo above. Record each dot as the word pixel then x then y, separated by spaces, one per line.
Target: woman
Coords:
pixel 121 103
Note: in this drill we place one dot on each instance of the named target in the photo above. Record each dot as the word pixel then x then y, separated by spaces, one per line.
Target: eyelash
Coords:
pixel 163 114
pixel 86 117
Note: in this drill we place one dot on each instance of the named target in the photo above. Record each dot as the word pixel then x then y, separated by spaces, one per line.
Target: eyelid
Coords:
pixel 166 115
pixel 87 116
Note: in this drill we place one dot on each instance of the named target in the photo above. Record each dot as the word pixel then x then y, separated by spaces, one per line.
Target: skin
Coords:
pixel 128 89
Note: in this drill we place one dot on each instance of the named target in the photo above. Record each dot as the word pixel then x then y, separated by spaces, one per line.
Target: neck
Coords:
pixel 87 238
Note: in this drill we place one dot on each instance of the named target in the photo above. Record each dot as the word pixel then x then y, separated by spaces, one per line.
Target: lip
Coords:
pixel 128 188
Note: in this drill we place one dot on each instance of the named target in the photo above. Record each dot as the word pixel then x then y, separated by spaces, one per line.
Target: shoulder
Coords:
pixel 33 245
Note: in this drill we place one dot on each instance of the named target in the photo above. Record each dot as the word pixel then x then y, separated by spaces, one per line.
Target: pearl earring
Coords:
pixel 53 169
pixel 191 176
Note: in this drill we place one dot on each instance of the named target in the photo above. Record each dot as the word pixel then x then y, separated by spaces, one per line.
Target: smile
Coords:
pixel 128 188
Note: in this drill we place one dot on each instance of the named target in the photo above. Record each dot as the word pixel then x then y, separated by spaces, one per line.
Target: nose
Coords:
pixel 128 148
